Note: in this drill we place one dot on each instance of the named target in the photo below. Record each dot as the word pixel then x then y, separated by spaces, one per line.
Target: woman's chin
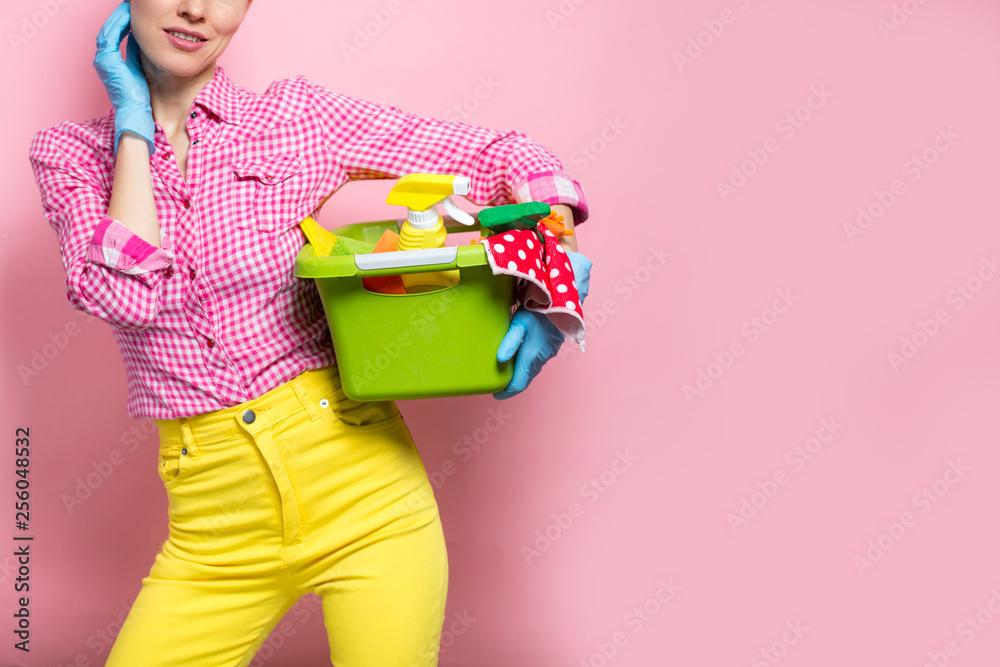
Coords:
pixel 183 70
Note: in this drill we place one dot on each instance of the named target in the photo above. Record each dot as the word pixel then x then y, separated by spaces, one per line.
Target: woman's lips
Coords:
pixel 184 44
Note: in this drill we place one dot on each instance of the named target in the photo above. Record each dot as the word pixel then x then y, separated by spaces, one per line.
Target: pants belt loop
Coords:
pixel 188 438
pixel 303 395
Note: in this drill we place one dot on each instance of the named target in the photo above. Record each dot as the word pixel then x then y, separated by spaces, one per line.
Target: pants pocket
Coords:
pixel 174 463
pixel 361 415
pixel 354 415
pixel 372 416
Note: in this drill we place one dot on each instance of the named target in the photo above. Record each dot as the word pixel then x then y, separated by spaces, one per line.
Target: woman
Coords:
pixel 177 215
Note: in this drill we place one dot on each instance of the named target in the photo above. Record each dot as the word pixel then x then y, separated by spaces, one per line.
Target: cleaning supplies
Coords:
pixel 513 216
pixel 426 345
pixel 322 240
pixel 346 246
pixel 554 223
pixel 424 226
pixel 326 243
pixel 388 242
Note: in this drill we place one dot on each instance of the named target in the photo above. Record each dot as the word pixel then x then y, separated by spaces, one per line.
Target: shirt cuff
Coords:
pixel 117 247
pixel 554 187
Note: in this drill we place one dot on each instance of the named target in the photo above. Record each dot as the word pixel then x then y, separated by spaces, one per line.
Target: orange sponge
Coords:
pixel 389 242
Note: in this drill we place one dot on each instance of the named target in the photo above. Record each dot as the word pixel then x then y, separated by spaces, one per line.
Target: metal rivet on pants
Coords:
pixel 184 451
pixel 249 416
pixel 324 403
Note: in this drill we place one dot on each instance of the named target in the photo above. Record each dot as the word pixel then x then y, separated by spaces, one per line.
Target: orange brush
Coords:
pixel 554 223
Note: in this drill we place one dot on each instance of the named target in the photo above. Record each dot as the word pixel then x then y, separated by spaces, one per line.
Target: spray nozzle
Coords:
pixel 513 216
pixel 420 194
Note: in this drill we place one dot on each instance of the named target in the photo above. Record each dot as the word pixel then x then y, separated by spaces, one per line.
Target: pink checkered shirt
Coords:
pixel 215 317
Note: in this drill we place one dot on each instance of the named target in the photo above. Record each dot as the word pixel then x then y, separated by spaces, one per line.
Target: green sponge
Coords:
pixel 346 246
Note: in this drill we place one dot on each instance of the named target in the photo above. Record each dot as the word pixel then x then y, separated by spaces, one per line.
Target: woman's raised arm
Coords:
pixel 374 141
pixel 110 246
pixel 132 201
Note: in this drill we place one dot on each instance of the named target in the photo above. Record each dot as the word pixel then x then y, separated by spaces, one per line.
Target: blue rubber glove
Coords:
pixel 581 272
pixel 534 338
pixel 124 80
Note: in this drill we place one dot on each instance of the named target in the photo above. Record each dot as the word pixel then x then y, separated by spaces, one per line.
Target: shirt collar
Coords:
pixel 221 97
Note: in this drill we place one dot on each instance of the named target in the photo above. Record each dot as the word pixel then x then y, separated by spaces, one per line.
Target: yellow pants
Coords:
pixel 301 490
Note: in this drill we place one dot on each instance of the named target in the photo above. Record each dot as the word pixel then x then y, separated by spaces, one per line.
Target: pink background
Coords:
pixel 788 577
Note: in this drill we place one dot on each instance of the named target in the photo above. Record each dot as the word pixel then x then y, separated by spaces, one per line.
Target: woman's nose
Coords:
pixel 193 9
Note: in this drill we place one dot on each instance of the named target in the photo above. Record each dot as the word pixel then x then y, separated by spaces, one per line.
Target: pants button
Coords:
pixel 249 417
pixel 184 451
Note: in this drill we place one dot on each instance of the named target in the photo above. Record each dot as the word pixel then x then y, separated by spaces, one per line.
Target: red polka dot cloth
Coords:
pixel 546 283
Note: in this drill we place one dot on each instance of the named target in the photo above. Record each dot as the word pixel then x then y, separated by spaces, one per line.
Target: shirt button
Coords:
pixel 249 417
pixel 193 114
pixel 195 142
pixel 191 274
pixel 211 343
pixel 187 203
pixel 164 156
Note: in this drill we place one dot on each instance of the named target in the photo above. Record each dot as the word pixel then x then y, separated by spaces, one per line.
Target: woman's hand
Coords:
pixel 124 80
pixel 533 338
pixel 132 202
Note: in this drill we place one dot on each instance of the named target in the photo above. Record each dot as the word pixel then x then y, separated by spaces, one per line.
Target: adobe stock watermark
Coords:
pixel 927 329
pixel 787 126
pixel 365 35
pixel 914 167
pixel 104 468
pixel 586 154
pixel 704 39
pixel 302 611
pixel 637 618
pixel 460 624
pixel 562 12
pixel 779 647
pixel 7 569
pixel 899 17
pixel 593 490
pixel 752 330
pixel 40 357
pixel 470 443
pixel 461 112
pixel 968 630
pixel 227 513
pixel 597 315
pixel 797 458
pixel 30 25
pixel 924 501
pixel 464 449
pixel 450 632
pixel 422 320
pixel 101 640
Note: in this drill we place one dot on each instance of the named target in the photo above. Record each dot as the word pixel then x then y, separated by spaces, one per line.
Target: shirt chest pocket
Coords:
pixel 270 191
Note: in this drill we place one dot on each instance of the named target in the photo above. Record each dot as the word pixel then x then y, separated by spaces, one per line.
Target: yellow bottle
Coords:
pixel 424 226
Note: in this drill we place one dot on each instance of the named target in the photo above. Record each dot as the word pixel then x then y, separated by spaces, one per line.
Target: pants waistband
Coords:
pixel 304 391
